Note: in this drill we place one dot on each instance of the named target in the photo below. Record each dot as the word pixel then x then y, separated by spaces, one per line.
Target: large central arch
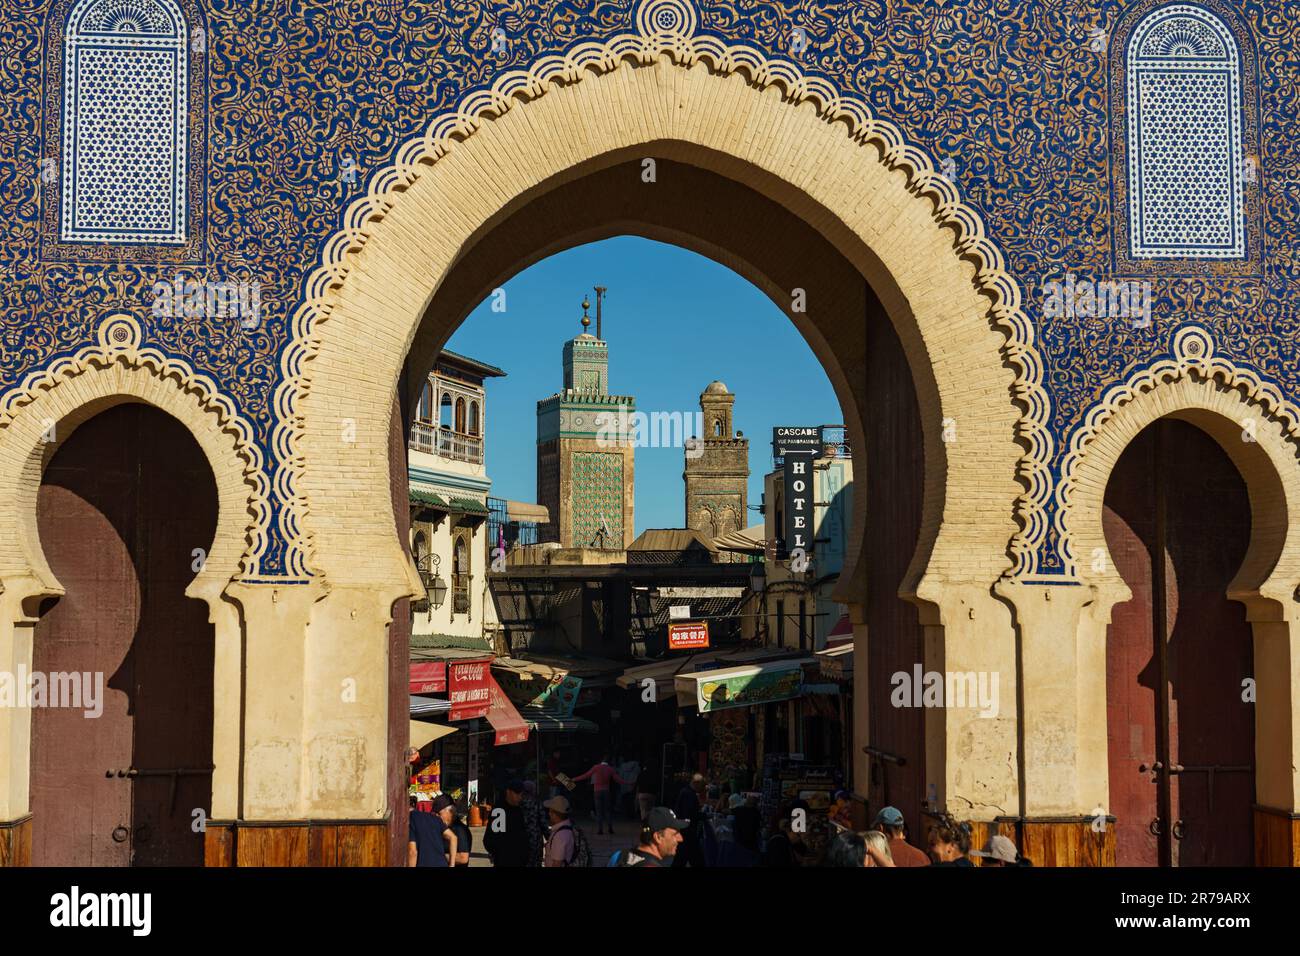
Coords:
pixel 845 178
pixel 940 282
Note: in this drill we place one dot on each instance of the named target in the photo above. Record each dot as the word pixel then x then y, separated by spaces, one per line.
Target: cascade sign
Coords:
pixel 798 475
pixel 787 441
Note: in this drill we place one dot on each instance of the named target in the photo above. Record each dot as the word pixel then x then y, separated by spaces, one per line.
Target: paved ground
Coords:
pixel 601 846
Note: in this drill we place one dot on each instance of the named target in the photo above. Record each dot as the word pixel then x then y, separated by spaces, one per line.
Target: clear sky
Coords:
pixel 674 321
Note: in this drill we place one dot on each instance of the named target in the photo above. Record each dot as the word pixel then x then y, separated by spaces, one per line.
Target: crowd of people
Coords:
pixel 707 826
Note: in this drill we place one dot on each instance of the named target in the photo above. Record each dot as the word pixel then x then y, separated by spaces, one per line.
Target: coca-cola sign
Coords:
pixel 470 688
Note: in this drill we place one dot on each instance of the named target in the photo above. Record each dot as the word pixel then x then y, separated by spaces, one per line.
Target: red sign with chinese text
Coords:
pixel 688 636
pixel 470 687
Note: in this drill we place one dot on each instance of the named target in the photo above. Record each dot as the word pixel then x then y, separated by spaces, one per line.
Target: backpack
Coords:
pixel 581 848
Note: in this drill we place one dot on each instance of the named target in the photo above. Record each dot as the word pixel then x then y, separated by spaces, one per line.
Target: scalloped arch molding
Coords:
pixel 666 28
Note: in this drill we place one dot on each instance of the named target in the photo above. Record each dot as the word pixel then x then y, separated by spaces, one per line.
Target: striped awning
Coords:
pixel 543 722
pixel 422 706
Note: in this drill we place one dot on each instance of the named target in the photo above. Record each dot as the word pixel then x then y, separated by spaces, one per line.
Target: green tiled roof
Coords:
pixel 441 641
pixel 427 498
pixel 469 506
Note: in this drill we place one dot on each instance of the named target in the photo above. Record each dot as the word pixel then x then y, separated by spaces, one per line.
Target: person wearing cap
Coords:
pixel 560 847
pixel 660 837
pixel 506 835
pixel 999 851
pixel 431 842
pixel 889 821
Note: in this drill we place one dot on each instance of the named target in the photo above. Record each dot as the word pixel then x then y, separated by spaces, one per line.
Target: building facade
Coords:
pixel 1056 302
pixel 449 487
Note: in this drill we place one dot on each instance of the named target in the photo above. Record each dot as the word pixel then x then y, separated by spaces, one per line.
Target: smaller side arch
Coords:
pixel 50 404
pixel 1255 425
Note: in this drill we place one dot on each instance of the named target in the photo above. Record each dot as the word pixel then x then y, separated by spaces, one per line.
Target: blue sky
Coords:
pixel 675 321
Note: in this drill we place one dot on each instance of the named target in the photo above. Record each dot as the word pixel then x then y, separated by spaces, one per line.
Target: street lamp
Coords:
pixel 757 576
pixel 434 584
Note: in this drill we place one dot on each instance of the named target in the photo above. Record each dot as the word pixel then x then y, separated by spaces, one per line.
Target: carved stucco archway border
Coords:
pixel 1245 400
pixel 119 367
pixel 666 29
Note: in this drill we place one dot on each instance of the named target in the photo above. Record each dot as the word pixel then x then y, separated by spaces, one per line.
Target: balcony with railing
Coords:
pixel 444 442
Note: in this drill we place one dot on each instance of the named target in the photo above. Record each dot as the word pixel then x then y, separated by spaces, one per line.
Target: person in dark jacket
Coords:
pixel 506 835
pixel 690 807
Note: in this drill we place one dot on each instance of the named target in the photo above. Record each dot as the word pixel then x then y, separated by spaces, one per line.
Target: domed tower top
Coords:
pixel 715 404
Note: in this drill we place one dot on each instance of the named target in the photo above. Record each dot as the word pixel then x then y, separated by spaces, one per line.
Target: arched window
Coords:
pixel 444 410
pixel 425 413
pixel 1185 156
pixel 473 418
pixel 717 428
pixel 421 549
pixel 125 78
pixel 460 416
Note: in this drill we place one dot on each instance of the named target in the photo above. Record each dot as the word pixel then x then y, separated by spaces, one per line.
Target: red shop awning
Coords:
pixel 428 677
pixel 511 728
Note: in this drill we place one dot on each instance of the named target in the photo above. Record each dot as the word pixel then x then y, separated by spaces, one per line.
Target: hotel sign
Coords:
pixel 798 479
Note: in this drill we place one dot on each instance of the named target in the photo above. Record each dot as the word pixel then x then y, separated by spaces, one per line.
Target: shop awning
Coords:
pixel 594 671
pixel 747 541
pixel 428 705
pixel 424 733
pixel 745 686
pixel 543 722
pixel 428 677
pixel 527 511
pixel 837 662
pixel 511 728
pixel 665 672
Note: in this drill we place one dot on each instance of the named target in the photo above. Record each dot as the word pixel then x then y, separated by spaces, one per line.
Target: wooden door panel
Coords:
pixel 1210 651
pixel 1184 476
pixel 123 503
pixel 1128 522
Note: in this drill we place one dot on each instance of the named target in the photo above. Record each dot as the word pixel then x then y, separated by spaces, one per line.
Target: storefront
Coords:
pixel 460 764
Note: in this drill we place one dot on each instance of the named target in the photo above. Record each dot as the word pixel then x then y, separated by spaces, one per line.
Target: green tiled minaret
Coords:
pixel 584 449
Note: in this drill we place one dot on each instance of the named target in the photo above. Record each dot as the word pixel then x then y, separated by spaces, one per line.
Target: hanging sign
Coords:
pixel 798 478
pixel 787 441
pixel 683 637
pixel 470 689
